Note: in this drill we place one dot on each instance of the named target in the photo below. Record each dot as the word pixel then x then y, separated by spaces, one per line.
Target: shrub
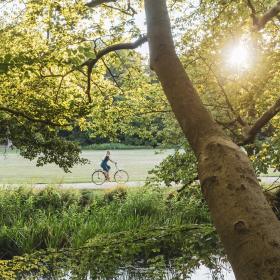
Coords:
pixel 55 218
pixel 115 194
pixel 48 198
pixel 178 168
pixel 143 202
pixel 56 199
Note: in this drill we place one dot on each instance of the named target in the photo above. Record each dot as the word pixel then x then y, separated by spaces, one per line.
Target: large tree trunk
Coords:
pixel 249 230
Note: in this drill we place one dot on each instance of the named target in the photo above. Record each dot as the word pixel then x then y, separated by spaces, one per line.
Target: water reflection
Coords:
pixel 163 253
pixel 55 267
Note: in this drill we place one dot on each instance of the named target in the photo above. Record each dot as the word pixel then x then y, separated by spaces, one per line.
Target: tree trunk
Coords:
pixel 249 230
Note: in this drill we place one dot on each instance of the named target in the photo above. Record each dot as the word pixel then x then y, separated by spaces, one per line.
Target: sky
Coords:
pixel 141 24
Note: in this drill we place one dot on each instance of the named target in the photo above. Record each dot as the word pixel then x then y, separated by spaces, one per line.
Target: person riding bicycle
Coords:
pixel 104 164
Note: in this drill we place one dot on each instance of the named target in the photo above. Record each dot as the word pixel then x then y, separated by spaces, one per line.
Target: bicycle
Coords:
pixel 120 176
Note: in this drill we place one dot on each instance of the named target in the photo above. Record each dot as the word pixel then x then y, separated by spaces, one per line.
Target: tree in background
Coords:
pixel 58 75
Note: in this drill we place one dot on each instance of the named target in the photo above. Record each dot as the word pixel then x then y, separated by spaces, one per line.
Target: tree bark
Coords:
pixel 249 230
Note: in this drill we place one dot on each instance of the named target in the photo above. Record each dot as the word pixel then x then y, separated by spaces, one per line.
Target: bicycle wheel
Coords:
pixel 121 176
pixel 98 177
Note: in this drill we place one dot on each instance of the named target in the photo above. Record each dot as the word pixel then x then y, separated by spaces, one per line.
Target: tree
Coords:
pixel 242 97
pixel 59 74
pixel 247 226
pixel 49 82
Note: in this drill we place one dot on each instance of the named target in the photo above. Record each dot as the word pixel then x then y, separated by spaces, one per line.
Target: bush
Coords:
pixel 143 202
pixel 56 199
pixel 115 194
pixel 55 218
pixel 178 168
pixel 86 198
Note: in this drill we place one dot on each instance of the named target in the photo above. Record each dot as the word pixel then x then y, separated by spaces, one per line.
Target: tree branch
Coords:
pixel 253 12
pixel 274 11
pixel 116 47
pixel 126 12
pixel 262 121
pixel 224 93
pixel 130 8
pixel 260 22
pixel 95 3
pixel 25 116
pixel 90 63
pixel 112 75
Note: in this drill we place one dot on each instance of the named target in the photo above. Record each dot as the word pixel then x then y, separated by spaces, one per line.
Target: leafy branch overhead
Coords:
pixel 95 3
pixel 51 77
pixel 262 121
pixel 90 63
pixel 51 98
pixel 259 22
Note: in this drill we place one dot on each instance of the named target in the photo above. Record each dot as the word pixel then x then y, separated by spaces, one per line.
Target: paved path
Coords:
pixel 270 180
pixel 108 185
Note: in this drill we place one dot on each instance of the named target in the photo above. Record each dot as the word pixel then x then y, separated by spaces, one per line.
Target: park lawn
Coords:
pixel 271 173
pixel 14 169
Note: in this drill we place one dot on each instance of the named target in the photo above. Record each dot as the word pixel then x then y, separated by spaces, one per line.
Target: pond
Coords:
pixel 164 254
pixel 137 271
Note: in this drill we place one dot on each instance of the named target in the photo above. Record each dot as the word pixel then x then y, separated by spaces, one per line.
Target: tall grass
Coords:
pixel 53 218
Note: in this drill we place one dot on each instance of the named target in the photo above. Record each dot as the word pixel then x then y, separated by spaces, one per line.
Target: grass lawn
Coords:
pixel 271 173
pixel 16 169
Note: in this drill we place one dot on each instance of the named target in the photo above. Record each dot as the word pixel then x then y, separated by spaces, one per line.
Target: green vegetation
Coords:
pixel 52 218
pixel 70 75
pixel 147 232
pixel 102 231
pixel 179 168
pixel 157 253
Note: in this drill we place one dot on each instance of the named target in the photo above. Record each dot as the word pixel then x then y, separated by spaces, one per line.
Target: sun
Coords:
pixel 239 57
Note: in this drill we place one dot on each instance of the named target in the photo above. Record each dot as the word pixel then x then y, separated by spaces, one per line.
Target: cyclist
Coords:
pixel 105 166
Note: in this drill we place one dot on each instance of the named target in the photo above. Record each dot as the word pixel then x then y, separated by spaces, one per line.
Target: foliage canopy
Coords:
pixel 59 72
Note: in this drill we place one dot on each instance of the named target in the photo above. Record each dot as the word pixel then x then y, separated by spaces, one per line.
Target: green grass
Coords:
pixel 15 169
pixel 53 218
pixel 271 173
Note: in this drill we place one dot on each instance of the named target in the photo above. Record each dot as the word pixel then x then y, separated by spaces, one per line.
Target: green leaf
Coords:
pixel 8 57
pixel 3 68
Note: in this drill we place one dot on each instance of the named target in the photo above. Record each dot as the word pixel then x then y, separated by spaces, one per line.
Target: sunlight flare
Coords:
pixel 239 56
